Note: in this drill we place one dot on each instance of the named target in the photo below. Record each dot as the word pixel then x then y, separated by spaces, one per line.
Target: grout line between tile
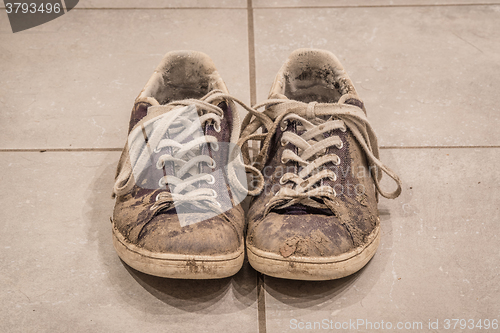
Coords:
pixel 261 294
pixel 261 303
pixel 42 150
pixel 381 6
pixel 154 8
pixel 251 54
pixel 140 8
pixel 289 7
pixel 438 147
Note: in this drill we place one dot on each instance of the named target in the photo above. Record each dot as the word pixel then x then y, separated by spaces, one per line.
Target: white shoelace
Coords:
pixel 180 120
pixel 310 143
pixel 186 157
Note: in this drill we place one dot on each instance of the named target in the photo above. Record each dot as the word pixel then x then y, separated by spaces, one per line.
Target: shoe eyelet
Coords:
pixel 218 204
pixel 160 164
pixel 343 129
pixel 212 180
pixel 161 182
pixel 282 182
pixel 158 197
pixel 284 125
pixel 214 194
pixel 283 143
pixel 217 127
pixel 213 164
pixel 215 146
pixel 338 161
pixel 341 145
pixel 156 150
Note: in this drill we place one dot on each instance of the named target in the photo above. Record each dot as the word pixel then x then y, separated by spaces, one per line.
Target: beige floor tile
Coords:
pixel 428 75
pixel 60 272
pixel 350 3
pixel 438 259
pixel 161 3
pixel 72 82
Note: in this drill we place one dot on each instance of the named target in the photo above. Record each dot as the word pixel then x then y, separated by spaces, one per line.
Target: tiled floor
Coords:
pixel 429 73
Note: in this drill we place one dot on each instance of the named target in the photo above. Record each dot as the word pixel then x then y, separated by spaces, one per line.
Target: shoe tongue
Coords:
pixel 299 209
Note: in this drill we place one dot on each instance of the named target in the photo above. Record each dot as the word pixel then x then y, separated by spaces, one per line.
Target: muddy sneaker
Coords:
pixel 178 186
pixel 316 216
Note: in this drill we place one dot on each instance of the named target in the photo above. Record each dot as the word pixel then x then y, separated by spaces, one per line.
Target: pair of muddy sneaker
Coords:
pixel 314 177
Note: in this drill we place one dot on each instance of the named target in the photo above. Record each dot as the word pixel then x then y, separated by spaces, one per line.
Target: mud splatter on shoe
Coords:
pixel 316 216
pixel 178 189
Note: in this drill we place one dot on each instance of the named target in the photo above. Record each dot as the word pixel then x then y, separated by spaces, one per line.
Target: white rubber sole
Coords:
pixel 317 268
pixel 178 266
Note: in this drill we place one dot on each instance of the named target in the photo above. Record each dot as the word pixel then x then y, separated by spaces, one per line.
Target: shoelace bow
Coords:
pixel 310 143
pixel 185 156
